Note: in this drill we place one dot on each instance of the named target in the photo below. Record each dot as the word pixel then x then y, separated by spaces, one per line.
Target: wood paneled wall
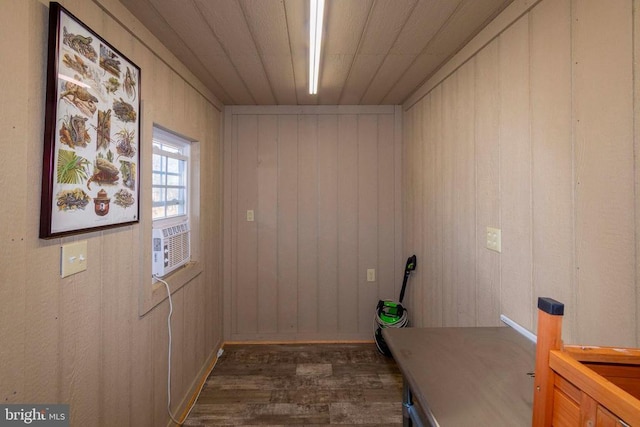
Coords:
pixel 532 132
pixel 324 184
pixel 80 340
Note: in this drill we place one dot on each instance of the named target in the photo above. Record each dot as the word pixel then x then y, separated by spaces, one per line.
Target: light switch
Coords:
pixel 494 239
pixel 73 258
pixel 250 215
pixel 371 275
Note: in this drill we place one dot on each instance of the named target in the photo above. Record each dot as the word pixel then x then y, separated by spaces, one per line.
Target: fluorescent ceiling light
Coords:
pixel 316 17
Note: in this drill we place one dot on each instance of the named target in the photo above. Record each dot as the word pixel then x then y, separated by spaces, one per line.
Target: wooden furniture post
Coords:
pixel 550 314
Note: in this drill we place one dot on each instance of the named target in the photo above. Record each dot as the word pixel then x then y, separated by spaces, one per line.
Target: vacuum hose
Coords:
pixel 379 324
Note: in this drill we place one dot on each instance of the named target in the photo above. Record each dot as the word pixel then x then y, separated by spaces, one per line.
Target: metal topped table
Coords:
pixel 480 376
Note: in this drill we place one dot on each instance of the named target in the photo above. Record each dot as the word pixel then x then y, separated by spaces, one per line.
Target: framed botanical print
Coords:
pixel 91 159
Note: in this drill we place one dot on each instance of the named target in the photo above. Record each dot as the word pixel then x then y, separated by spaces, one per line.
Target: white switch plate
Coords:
pixel 73 258
pixel 250 216
pixel 371 275
pixel 494 239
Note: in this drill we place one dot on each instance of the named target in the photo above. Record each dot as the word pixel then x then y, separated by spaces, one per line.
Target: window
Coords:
pixel 173 240
pixel 170 176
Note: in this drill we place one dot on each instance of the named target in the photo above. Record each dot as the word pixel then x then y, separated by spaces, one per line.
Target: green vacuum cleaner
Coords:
pixel 392 314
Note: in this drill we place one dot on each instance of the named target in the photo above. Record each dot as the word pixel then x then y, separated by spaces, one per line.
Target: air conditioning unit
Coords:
pixel 171 248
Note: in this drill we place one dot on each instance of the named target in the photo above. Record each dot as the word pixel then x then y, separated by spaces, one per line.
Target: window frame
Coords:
pixel 183 153
pixel 151 292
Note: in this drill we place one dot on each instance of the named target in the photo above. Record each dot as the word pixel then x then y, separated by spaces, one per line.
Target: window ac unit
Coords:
pixel 171 248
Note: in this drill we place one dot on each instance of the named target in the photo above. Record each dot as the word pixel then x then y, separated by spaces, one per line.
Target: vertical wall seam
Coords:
pixel 377 263
pixel 256 223
pixel 234 225
pixel 427 174
pixel 297 287
pixel 574 193
pixel 61 344
pixel 423 229
pixel 357 165
pixel 277 299
pixel 474 62
pixel 395 195
pixel 337 190
pixel 317 236
pixel 533 302
pixel 439 202
pixel 130 356
pixel 129 368
pixel 499 164
pixel 635 159
pixel 298 119
pixel 397 141
pixel 101 357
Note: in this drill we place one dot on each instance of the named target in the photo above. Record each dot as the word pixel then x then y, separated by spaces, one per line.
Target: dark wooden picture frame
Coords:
pixel 91 162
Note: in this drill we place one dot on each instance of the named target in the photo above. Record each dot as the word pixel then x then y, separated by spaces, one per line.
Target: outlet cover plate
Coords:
pixel 371 275
pixel 494 239
pixel 73 258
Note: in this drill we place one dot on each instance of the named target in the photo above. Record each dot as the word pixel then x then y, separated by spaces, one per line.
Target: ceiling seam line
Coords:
pixel 415 4
pixel 253 39
pixel 293 68
pixel 423 50
pixel 480 48
pixel 157 55
pixel 226 52
pixel 355 54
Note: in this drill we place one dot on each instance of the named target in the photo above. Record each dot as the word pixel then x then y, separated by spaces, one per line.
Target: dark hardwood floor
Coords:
pixel 301 384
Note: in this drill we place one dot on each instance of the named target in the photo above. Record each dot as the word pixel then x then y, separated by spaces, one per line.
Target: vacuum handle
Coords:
pixel 409 267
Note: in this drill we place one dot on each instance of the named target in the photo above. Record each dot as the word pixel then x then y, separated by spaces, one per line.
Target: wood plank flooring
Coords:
pixel 300 384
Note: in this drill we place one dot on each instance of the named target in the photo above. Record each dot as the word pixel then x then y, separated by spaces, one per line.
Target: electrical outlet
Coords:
pixel 494 239
pixel 371 275
pixel 250 216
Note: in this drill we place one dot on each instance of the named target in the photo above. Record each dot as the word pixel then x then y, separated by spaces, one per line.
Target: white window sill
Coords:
pixel 176 280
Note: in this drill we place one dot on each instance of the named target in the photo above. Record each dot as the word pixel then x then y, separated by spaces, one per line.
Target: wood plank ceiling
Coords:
pixel 254 52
